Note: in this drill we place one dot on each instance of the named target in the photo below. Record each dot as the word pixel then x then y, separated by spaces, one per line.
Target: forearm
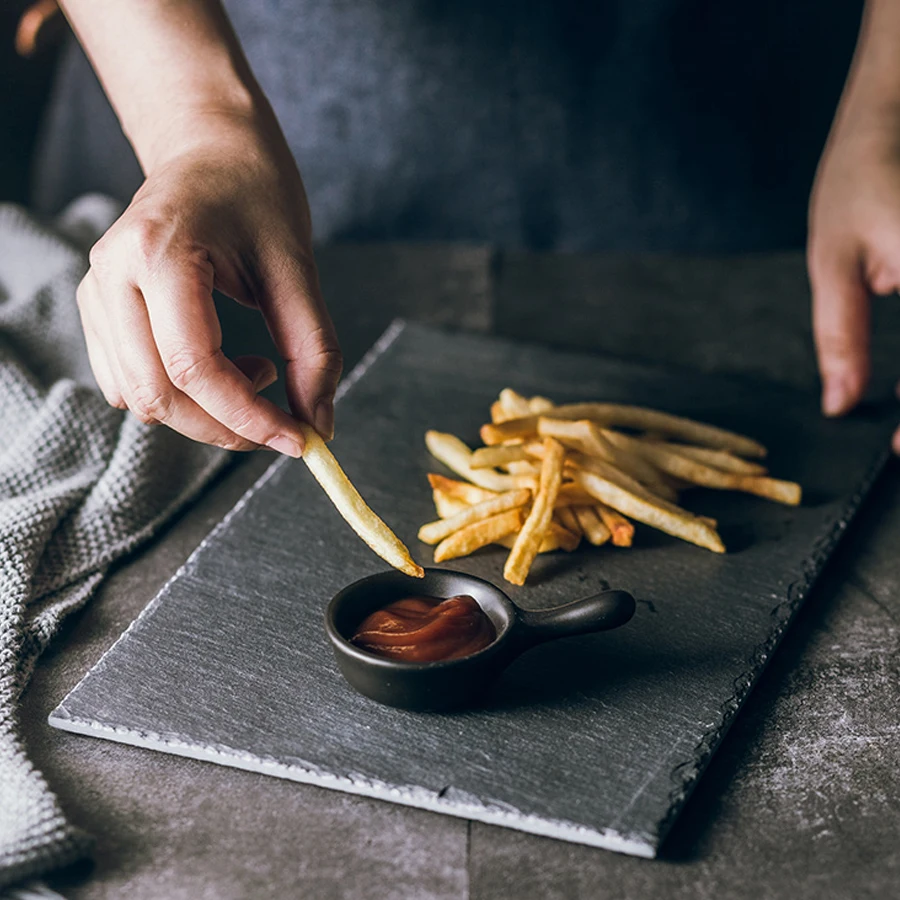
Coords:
pixel 871 98
pixel 169 67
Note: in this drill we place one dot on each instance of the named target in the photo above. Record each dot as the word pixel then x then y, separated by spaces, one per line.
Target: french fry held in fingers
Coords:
pixel 569 472
pixel 328 472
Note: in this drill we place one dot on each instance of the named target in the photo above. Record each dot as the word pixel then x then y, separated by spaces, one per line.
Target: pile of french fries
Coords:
pixel 550 476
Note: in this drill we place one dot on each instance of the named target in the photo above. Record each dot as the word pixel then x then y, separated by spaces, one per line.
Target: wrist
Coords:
pixel 208 111
pixel 202 124
pixel 869 110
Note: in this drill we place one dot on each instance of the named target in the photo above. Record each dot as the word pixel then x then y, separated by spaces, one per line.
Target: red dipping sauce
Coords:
pixel 426 629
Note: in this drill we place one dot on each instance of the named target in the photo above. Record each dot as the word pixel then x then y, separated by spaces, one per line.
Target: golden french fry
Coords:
pixel 564 538
pixel 522 467
pixel 568 520
pixel 513 404
pixel 576 460
pixel 529 538
pixel 327 471
pixel 512 429
pixel 539 404
pixel 557 538
pixel 718 459
pixel 497 413
pixel 446 505
pixel 564 519
pixel 461 490
pixel 491 457
pixel 454 454
pixel 621 529
pixel 788 492
pixel 669 460
pixel 572 494
pixel 655 513
pixel 479 534
pixel 616 415
pixel 587 437
pixel 592 526
pixel 434 532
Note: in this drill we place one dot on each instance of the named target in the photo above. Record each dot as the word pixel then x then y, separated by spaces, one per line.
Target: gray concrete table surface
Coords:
pixel 800 800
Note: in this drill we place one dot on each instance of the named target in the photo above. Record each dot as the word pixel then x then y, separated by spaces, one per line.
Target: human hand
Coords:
pixel 853 251
pixel 225 209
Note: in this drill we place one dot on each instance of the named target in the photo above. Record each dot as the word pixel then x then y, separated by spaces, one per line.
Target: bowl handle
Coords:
pixel 598 613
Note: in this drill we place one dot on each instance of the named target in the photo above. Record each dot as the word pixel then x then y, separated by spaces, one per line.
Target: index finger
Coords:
pixel 304 335
pixel 841 330
pixel 189 338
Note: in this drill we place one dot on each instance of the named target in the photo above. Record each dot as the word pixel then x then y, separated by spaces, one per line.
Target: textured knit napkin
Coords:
pixel 80 484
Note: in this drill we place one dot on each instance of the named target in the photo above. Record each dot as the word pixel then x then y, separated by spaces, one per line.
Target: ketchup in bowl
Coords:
pixel 426 629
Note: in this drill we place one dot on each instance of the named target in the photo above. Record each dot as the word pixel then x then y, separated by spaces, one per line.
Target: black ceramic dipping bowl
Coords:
pixel 457 682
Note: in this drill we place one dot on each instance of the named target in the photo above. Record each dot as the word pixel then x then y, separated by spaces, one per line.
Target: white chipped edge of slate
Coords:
pixel 449 801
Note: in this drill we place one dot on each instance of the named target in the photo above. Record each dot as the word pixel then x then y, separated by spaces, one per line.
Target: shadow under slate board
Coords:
pixel 596 739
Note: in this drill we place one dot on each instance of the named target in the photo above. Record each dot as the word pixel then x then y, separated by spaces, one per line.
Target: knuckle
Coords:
pixel 151 403
pixel 236 443
pixel 187 368
pixel 320 350
pixel 145 237
pixel 99 256
pixel 242 418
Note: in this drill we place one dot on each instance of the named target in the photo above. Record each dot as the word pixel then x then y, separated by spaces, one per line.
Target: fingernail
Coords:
pixel 324 419
pixel 283 444
pixel 834 397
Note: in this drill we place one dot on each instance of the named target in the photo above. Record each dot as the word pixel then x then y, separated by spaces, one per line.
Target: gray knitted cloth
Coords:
pixel 80 484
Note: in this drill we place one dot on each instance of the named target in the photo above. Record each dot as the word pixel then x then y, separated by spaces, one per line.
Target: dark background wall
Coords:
pixel 692 125
pixel 24 85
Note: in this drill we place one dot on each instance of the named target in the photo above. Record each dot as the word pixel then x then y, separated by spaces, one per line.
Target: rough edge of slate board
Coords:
pixel 689 773
pixel 685 774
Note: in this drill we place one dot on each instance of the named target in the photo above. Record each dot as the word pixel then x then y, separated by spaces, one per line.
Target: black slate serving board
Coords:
pixel 596 740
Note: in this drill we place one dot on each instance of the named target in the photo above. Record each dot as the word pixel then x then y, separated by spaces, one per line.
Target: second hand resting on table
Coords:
pixel 223 206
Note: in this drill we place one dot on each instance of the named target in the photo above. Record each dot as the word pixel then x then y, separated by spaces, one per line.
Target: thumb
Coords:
pixel 304 335
pixel 841 329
